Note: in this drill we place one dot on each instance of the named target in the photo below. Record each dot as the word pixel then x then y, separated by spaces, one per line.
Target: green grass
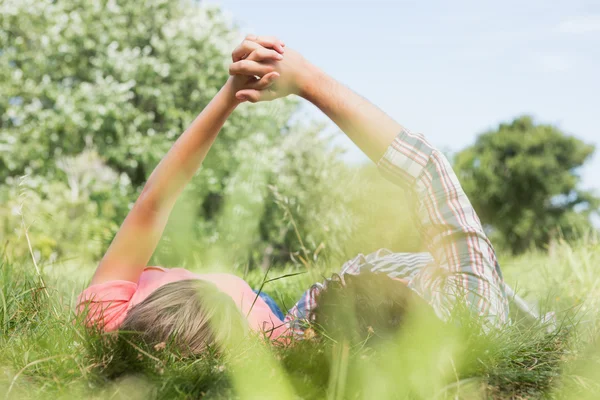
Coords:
pixel 45 353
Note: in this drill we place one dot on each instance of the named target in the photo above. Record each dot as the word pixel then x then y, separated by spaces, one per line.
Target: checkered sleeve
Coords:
pixel 300 316
pixel 449 227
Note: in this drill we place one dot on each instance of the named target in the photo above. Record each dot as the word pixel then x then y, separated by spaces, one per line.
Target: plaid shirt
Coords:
pixel 460 262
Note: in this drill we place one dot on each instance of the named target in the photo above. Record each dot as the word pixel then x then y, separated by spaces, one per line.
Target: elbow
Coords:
pixel 148 199
pixel 150 202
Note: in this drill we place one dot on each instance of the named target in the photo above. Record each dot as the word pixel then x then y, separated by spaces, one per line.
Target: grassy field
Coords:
pixel 44 353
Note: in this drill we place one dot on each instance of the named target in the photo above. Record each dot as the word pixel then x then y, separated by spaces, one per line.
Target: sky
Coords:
pixel 450 69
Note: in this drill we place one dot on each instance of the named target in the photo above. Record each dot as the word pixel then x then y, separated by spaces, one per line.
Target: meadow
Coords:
pixel 45 353
pixel 93 94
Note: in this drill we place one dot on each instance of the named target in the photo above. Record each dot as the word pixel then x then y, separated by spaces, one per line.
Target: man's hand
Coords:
pixel 293 71
pixel 257 57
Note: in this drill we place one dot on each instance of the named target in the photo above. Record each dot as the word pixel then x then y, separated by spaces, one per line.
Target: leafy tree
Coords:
pixel 121 80
pixel 523 181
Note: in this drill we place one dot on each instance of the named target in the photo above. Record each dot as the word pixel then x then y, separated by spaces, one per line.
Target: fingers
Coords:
pixel 268 41
pixel 262 54
pixel 254 96
pixel 248 48
pixel 264 82
pixel 243 50
pixel 251 68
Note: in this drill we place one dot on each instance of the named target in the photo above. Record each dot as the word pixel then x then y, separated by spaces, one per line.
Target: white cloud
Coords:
pixel 581 24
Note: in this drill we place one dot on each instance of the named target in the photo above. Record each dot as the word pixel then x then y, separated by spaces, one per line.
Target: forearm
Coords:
pixel 365 124
pixel 141 231
pixel 184 159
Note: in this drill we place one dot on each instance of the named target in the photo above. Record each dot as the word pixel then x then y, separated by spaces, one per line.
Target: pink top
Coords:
pixel 108 303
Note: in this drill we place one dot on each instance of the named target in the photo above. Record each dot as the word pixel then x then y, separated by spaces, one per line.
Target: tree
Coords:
pixel 122 80
pixel 523 181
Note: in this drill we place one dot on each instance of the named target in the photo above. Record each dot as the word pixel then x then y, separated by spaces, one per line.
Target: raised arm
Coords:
pixel 141 231
pixel 447 222
pixel 370 128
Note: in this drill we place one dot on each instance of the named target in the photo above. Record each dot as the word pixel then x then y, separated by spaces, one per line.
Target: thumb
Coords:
pixel 254 96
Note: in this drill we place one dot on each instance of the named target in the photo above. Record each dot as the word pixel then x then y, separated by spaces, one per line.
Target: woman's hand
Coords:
pixel 288 74
pixel 257 59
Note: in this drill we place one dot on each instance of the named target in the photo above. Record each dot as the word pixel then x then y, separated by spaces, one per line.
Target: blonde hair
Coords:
pixel 191 314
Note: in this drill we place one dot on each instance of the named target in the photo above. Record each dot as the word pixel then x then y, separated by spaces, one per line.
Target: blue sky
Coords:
pixel 451 69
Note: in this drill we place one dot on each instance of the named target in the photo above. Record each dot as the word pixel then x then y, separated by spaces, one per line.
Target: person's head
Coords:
pixel 365 306
pixel 191 314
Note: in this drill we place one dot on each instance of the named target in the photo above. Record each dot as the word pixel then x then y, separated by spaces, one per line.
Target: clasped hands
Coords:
pixel 263 69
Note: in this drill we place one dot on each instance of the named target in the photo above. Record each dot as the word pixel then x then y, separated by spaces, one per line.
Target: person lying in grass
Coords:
pixel 374 291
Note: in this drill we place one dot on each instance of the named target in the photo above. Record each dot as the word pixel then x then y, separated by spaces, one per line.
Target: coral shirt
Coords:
pixel 107 303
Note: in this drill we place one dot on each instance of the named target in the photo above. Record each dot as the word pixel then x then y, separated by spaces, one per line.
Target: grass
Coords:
pixel 45 353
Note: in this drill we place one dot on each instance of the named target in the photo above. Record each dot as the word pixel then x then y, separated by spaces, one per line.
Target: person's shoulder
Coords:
pixel 105 305
pixel 108 291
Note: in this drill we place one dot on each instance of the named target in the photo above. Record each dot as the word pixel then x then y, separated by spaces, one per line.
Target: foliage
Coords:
pixel 123 78
pixel 74 216
pixel 120 81
pixel 523 181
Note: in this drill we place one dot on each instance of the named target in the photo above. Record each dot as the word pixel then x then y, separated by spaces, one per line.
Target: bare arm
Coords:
pixel 141 231
pixel 365 124
pixel 371 129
